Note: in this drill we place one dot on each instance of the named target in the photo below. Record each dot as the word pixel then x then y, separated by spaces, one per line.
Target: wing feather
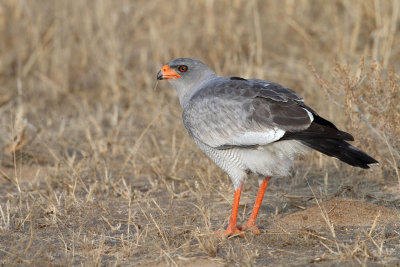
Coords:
pixel 244 113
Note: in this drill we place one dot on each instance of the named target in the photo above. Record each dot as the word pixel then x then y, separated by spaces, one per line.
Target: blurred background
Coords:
pixel 70 70
pixel 81 110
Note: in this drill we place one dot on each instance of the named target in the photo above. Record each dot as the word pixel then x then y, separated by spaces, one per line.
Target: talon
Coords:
pixel 230 232
pixel 246 227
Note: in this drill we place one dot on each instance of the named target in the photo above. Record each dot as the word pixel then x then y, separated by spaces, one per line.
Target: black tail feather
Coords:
pixel 325 137
pixel 341 150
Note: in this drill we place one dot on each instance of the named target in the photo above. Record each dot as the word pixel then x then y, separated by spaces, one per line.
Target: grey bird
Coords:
pixel 252 126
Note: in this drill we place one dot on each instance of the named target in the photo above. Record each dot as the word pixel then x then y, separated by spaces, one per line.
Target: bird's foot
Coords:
pixel 249 226
pixel 231 231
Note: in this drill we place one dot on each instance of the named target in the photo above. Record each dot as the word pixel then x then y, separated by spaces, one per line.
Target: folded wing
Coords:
pixel 239 112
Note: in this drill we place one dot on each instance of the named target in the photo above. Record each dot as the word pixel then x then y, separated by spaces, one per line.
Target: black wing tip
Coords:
pixel 342 151
pixel 237 78
pixel 346 136
pixel 366 164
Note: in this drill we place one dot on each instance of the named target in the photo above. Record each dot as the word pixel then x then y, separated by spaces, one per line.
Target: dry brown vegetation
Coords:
pixel 96 168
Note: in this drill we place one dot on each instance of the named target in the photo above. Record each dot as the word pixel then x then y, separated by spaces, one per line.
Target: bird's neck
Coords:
pixel 186 91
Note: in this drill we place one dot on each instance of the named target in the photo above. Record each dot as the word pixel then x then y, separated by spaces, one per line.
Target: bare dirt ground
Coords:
pixel 97 170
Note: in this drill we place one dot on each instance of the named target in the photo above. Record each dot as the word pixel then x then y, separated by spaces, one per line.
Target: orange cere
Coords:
pixel 169 73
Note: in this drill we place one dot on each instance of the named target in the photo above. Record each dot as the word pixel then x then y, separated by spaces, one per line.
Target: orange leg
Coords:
pixel 232 229
pixel 251 223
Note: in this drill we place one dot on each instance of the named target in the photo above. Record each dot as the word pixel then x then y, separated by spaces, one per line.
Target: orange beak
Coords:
pixel 167 73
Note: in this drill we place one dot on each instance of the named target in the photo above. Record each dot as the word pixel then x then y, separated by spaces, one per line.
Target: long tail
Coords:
pixel 341 150
pixel 324 137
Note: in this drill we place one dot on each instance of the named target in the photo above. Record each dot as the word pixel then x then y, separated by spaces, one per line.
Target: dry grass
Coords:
pixel 98 170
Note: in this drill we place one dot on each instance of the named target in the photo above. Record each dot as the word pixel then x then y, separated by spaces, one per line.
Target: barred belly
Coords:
pixel 275 159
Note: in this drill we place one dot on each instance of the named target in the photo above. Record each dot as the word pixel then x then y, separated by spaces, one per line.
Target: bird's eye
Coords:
pixel 182 68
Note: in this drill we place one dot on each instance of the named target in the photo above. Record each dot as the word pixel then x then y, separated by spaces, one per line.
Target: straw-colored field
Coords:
pixel 96 168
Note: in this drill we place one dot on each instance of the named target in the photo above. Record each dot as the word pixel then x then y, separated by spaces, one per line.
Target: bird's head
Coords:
pixel 186 75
